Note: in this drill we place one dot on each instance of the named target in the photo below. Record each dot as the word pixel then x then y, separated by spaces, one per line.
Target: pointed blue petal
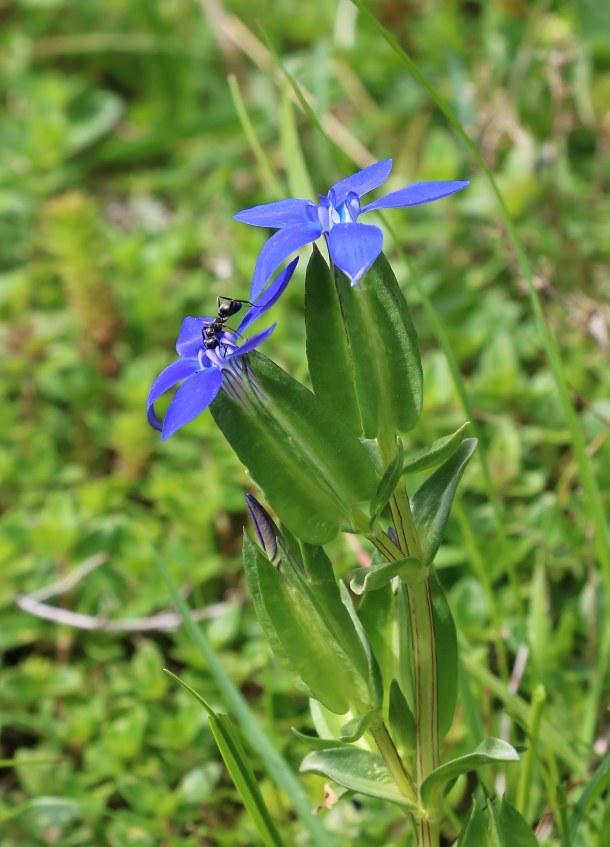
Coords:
pixel 278 248
pixel 251 343
pixel 167 379
pixel 362 182
pixel 189 338
pixel 354 248
pixel 271 296
pixel 291 212
pixel 413 195
pixel 191 399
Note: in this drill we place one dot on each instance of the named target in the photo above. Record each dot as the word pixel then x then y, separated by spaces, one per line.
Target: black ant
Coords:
pixel 211 332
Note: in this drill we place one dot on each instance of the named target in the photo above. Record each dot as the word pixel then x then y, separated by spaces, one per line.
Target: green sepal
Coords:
pixel 315 636
pixel 446 654
pixel 374 577
pixel 310 466
pixel 386 365
pixel 432 501
pixel 355 728
pixel 358 770
pixel 489 751
pixel 328 354
pixel 402 722
pixel 388 483
pixel 434 454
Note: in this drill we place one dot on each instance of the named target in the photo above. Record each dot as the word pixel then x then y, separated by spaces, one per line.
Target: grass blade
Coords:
pixel 254 733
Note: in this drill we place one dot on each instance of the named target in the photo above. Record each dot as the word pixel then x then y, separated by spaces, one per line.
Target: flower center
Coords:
pixel 327 212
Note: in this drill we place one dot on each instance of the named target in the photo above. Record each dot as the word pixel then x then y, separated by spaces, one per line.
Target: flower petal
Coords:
pixel 413 195
pixel 191 399
pixel 167 379
pixel 278 248
pixel 271 296
pixel 251 343
pixel 189 338
pixel 362 182
pixel 291 212
pixel 354 248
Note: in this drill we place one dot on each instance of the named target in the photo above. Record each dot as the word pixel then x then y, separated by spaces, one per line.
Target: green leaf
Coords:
pixel 474 831
pixel 355 728
pixel 402 722
pixel 235 758
pixel 309 640
pixel 386 366
pixel 432 501
pixel 446 654
pixel 376 614
pixel 312 469
pixel 255 732
pixel 597 785
pixel 327 596
pixel 374 577
pixel 314 742
pixel 489 751
pixel 328 352
pixel 509 828
pixel 388 483
pixel 435 453
pixel 358 770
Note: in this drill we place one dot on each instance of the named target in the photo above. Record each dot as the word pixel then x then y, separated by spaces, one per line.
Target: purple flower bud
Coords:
pixel 266 530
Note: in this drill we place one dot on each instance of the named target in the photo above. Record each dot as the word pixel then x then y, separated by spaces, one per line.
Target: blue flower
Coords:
pixel 204 370
pixel 353 247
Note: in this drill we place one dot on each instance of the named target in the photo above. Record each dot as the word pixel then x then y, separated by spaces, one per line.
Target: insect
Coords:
pixel 212 331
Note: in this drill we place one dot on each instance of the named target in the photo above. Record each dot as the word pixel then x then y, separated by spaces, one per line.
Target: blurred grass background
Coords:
pixel 123 159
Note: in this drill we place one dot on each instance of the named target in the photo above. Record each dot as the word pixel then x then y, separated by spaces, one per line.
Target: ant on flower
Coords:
pixel 212 332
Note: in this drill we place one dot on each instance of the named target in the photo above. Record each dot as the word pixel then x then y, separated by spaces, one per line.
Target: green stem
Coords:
pixel 397 767
pixel 423 645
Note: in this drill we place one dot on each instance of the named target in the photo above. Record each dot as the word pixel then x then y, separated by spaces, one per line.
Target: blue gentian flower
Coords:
pixel 353 247
pixel 205 371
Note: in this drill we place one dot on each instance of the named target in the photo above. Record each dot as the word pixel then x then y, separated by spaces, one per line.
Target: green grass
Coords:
pixel 124 157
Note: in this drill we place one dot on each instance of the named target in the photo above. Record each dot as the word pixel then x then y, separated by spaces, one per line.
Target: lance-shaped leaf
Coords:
pixel 446 654
pixel 385 360
pixel 374 577
pixel 474 832
pixel 326 594
pixel 355 728
pixel 388 483
pixel 509 828
pixel 376 614
pixel 328 353
pixel 432 501
pixel 314 742
pixel 434 454
pixel 231 749
pixel 489 751
pixel 301 635
pixel 358 770
pixel 310 466
pixel 402 722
